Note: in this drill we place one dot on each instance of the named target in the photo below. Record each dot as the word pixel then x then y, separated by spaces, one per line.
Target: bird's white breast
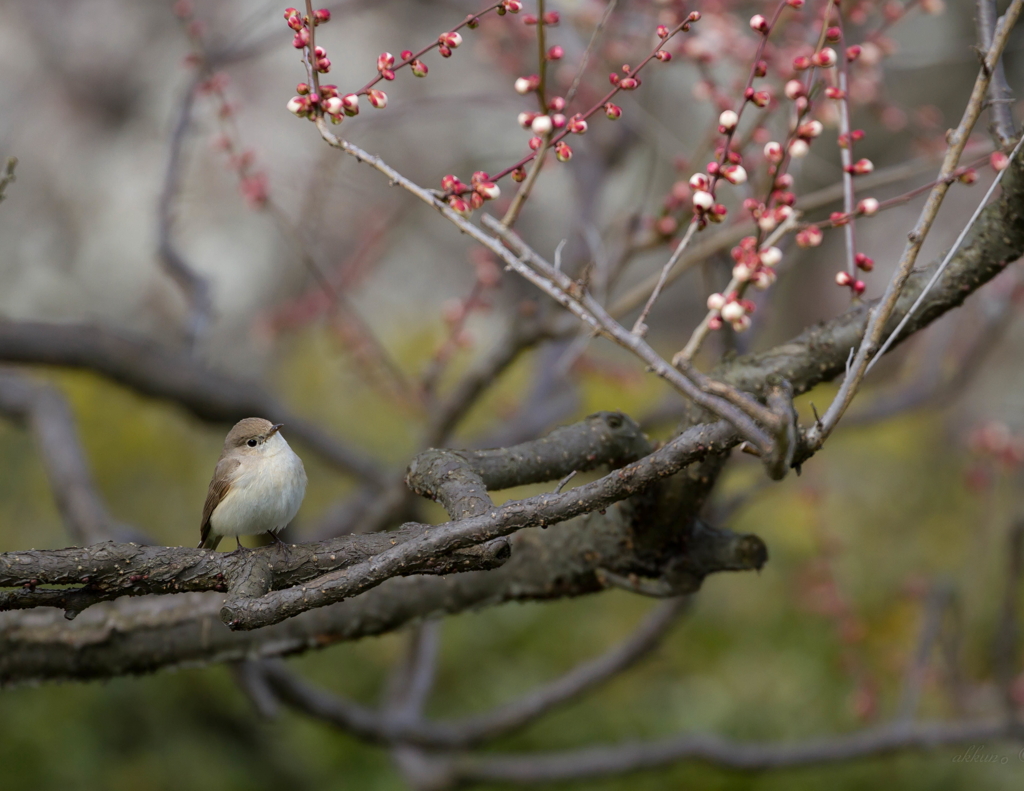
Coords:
pixel 265 493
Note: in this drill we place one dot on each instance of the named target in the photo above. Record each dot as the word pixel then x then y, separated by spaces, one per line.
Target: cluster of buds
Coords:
pixel 753 265
pixel 385 65
pixel 860 167
pixel 337 107
pixel 758 98
pixel 703 200
pixel 509 7
pixel 446 42
pixel 466 198
pixel 549 18
pixel 768 218
pixel 844 278
pixel 731 308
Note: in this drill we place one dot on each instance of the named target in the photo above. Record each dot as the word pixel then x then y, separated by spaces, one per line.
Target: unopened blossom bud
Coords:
pixel 556 53
pixel 552 18
pixel 864 262
pixel 703 201
pixel 767 222
pixel 476 200
pixel 298 105
pixel 301 39
pixel 667 225
pixel 843 278
pixel 716 301
pixel 526 84
pixel 629 83
pixel 377 98
pixel 530 19
pixel 969 176
pixel 405 54
pixel 801 63
pixel 694 16
pixel 810 237
pixel 613 111
pixel 742 273
pixel 810 130
pixel 385 61
pixel 542 125
pixel 715 323
pixel 794 89
pixel 833 34
pixel 288 12
pixel 443 51
pixel 333 106
pixel 302 89
pixel 732 311
pixel 839 219
pixel 773 152
pixel 519 174
pixel 832 92
pixel 351 104
pixel 479 177
pixel 727 121
pixel 795 3
pixel 558 120
pixel 321 15
pixel 577 125
pixel 450 40
pixel 999 161
pixel 419 68
pixel 770 256
pixel 699 181
pixel 761 68
pixel 459 206
pixel 488 191
pixel 295 23
pixel 763 279
pixel 858 287
pixel 535 143
pixel 556 104
pixel 526 118
pixel 853 52
pixel 825 58
pixel 798 148
pixel 563 153
pixel 734 174
pixel 662 31
pixel 867 206
pixel 759 23
pixel 512 6
pixel 761 98
pixel 449 183
pixel 861 166
pixel 663 56
pixel 718 212
pixel 712 168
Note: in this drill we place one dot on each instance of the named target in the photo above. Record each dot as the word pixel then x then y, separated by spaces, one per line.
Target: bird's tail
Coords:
pixel 210 542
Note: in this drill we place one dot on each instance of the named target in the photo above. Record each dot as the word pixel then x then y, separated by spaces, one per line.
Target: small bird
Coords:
pixel 257 487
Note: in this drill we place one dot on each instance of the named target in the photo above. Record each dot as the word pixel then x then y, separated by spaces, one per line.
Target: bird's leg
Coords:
pixel 240 547
pixel 277 539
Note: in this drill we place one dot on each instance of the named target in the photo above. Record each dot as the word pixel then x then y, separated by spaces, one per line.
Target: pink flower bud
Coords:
pixel 443 51
pixel 999 161
pixel 301 39
pixel 703 201
pixel 333 106
pixel 718 212
pixel 556 104
pixel 810 237
pixel 727 121
pixel 853 52
pixel 864 262
pixel 742 273
pixel 488 190
pixel 734 174
pixel 825 58
pixel 773 152
pixel 662 31
pixel 843 278
pixel 666 226
pixel 288 12
pixel 833 92
pixel 715 323
pixel 577 125
pixel 969 176
pixel 450 40
pixel 795 3
pixel 838 218
pixel 519 174
pixel 542 125
pixel 613 78
pixel 733 311
pixel 385 61
pixel 613 111
pixel 629 83
pixel 535 143
pixel 699 181
pixel 459 206
pixel 810 130
pixel 378 99
pixel 861 166
pixel 556 53
pixel 716 301
pixel 558 120
pixel 449 183
pixel 801 63
pixel 663 56
pixel 552 18
pixel 302 89
pixel 351 104
pixel 761 98
pixel 798 148
pixel 476 200
pixel 525 119
pixel 298 105
pixel 296 23
pixel 833 34
pixel 759 23
pixel 526 84
pixel 512 6
pixel 322 15
pixel 419 68
pixel 562 152
pixel 867 207
pixel 794 89
pixel 858 287
pixel 767 222
pixel 770 256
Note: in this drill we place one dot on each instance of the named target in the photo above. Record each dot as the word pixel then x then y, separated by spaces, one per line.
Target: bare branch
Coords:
pixel 1000 96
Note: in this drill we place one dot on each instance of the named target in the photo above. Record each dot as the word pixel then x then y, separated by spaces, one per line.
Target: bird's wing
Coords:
pixel 220 484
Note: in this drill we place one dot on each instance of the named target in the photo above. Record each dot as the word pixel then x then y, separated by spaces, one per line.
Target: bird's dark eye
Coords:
pixel 251 443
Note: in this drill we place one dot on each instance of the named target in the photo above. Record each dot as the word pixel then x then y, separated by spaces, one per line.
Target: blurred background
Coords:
pixel 918 492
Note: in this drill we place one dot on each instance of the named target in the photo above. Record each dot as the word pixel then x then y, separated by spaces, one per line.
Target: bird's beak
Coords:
pixel 274 429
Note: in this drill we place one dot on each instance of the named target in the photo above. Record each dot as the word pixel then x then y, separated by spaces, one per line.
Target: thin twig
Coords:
pixel 639 327
pixel 571 93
